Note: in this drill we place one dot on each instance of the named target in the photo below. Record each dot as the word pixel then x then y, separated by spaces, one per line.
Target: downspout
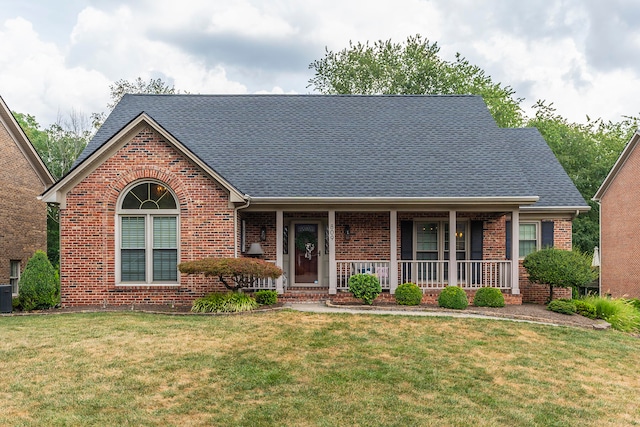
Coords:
pixel 235 224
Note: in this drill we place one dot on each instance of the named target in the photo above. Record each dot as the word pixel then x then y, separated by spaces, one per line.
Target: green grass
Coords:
pixel 288 368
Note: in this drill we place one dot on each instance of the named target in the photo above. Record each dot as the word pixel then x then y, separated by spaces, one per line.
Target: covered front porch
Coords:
pixel 320 250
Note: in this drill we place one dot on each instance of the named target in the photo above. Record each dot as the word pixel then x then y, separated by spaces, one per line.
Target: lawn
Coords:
pixel 301 369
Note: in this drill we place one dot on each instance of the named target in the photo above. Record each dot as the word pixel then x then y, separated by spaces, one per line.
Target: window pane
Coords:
pixel 427 236
pixel 149 196
pixel 165 263
pixel 528 232
pixel 165 233
pixel 133 232
pixel 460 237
pixel 526 247
pixel 133 265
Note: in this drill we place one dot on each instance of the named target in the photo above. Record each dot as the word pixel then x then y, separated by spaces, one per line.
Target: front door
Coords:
pixel 306 244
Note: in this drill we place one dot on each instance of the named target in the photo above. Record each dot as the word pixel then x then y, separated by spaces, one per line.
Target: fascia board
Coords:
pixel 628 149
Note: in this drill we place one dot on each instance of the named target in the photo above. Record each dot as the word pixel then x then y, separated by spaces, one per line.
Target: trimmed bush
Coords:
pixel 266 297
pixel 585 308
pixel 233 273
pixel 39 286
pixel 559 269
pixel 453 297
pixel 564 306
pixel 230 302
pixel 488 297
pixel 408 294
pixel 620 313
pixel 365 287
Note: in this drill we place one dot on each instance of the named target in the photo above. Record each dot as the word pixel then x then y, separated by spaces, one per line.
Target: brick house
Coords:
pixel 619 198
pixel 23 218
pixel 324 186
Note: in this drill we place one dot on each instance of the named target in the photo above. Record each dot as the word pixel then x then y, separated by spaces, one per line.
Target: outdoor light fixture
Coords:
pixel 255 250
pixel 347 232
pixel 263 233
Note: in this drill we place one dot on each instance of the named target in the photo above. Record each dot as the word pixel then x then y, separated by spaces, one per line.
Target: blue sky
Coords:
pixel 55 56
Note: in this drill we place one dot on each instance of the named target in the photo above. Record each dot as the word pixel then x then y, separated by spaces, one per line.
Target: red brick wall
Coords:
pixel 88 233
pixel 620 245
pixel 23 217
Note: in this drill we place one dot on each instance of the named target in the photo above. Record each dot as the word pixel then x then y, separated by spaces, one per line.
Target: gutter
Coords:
pixel 235 223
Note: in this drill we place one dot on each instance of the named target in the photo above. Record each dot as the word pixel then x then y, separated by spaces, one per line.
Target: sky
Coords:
pixel 57 56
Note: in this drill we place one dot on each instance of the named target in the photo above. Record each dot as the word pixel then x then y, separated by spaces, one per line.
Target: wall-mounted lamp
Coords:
pixel 347 232
pixel 255 250
pixel 263 233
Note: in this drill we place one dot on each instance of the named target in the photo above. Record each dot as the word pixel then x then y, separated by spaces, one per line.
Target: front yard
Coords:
pixel 290 368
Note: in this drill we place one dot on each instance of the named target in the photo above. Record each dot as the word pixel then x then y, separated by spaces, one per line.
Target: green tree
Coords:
pixel 233 273
pixel 39 285
pixel 411 68
pixel 587 152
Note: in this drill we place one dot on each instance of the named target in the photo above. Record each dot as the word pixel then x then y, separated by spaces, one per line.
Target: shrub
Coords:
pixel 365 287
pixel 266 297
pixel 559 269
pixel 488 297
pixel 230 302
pixel 585 308
pixel 564 306
pixel 621 314
pixel 408 294
pixel 39 286
pixel 635 302
pixel 233 273
pixel 453 297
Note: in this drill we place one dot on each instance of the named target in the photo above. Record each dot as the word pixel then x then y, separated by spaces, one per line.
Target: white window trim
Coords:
pixel 17 279
pixel 148 214
pixel 538 225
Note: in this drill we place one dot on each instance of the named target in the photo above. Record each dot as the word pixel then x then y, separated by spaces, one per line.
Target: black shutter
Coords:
pixel 406 240
pixel 476 239
pixel 547 234
pixel 406 248
pixel 508 235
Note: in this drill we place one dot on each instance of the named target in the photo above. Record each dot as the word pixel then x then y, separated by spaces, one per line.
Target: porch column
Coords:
pixel 393 248
pixel 279 249
pixel 515 252
pixel 333 266
pixel 453 269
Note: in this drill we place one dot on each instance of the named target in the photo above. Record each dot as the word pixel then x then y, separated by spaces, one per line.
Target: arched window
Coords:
pixel 148 237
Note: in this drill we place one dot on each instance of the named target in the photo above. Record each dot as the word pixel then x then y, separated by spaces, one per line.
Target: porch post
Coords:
pixel 333 266
pixel 515 252
pixel 393 247
pixel 279 248
pixel 453 268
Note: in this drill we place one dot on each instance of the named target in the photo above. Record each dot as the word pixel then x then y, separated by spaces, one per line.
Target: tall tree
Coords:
pixel 587 152
pixel 411 68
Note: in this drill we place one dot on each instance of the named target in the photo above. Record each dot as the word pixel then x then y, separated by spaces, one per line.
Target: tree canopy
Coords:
pixel 411 68
pixel 233 273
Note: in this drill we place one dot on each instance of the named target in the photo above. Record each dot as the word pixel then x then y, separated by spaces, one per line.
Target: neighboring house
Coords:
pixel 328 186
pixel 23 218
pixel 619 198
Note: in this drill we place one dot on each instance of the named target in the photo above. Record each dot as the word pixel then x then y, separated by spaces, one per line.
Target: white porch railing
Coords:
pixel 267 283
pixel 472 274
pixel 346 269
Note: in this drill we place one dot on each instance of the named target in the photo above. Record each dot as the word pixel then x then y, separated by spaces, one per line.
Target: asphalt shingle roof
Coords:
pixel 353 146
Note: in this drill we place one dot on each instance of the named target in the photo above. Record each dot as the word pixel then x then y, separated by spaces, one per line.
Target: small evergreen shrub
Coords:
pixel 453 297
pixel 408 294
pixel 488 297
pixel 365 287
pixel 564 306
pixel 266 297
pixel 230 302
pixel 39 286
pixel 585 308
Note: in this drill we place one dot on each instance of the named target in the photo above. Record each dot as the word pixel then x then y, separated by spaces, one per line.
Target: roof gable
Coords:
pixel 25 146
pixel 617 167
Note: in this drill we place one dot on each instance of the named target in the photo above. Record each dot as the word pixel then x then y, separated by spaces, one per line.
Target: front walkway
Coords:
pixel 529 313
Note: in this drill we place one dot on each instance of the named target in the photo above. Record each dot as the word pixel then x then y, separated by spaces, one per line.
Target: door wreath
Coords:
pixel 306 241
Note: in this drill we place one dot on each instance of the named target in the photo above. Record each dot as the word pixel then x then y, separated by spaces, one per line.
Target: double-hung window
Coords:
pixel 528 238
pixel 148 236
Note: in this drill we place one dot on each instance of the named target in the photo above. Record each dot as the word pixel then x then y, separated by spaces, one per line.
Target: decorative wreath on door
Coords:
pixel 305 237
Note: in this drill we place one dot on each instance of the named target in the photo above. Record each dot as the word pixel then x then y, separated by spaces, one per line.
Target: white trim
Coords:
pixel 538 225
pixel 453 229
pixel 333 265
pixel 515 252
pixel 393 248
pixel 12 262
pixel 279 249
